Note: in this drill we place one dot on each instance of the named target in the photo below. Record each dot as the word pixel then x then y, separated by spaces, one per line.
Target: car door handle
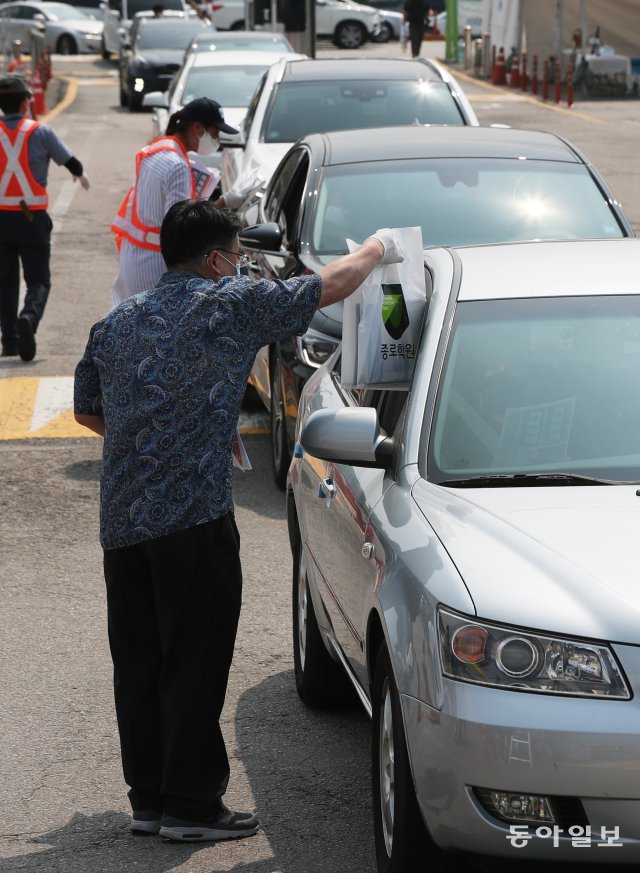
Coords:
pixel 327 489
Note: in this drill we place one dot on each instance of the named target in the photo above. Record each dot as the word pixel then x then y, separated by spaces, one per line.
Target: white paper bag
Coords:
pixel 382 319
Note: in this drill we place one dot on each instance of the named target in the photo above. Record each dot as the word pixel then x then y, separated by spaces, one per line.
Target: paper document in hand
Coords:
pixel 205 179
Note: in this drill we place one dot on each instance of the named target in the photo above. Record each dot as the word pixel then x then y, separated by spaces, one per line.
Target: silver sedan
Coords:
pixel 67 30
pixel 465 558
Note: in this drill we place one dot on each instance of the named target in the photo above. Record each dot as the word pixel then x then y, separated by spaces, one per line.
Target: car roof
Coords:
pixel 550 269
pixel 327 69
pixel 250 35
pixel 441 141
pixel 237 59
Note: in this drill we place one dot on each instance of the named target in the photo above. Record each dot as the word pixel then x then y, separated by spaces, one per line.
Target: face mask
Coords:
pixel 207 144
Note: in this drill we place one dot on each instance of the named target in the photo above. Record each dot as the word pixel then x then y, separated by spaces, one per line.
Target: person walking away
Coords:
pixel 163 177
pixel 414 13
pixel 162 379
pixel 26 147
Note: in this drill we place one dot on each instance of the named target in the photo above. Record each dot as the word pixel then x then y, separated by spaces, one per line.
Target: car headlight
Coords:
pixel 506 657
pixel 314 348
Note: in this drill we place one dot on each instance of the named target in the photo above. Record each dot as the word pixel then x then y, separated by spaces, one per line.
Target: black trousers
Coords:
pixel 173 609
pixel 28 242
pixel 416 34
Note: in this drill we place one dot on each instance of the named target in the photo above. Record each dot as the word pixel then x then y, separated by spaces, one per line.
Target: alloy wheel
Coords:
pixel 386 758
pixel 303 594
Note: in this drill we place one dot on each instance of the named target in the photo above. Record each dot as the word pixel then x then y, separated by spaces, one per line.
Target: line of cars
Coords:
pixel 453 563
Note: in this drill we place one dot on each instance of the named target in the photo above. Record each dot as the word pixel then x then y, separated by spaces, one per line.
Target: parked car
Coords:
pixel 469 15
pixel 299 97
pixel 347 23
pixel 67 30
pixel 154 55
pixel 241 41
pixel 462 185
pixel 118 17
pixel 228 77
pixel 465 557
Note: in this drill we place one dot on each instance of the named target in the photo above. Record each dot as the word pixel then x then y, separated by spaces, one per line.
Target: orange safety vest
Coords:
pixel 16 180
pixel 127 224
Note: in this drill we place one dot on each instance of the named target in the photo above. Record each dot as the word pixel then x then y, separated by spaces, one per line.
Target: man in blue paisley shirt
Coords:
pixel 162 379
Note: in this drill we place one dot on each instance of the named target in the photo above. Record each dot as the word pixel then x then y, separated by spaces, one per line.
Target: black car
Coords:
pixel 155 53
pixel 462 185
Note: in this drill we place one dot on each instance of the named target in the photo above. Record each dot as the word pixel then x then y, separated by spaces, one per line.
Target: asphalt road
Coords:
pixel 62 797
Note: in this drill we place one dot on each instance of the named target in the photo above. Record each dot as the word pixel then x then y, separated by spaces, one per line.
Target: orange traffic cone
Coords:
pixel 38 94
pixel 514 74
pixel 499 76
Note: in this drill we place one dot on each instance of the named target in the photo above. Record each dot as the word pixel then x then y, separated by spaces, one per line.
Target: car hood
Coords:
pixel 160 57
pixel 561 559
pixel 268 155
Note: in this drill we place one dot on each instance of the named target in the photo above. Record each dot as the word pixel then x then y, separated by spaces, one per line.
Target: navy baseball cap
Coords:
pixel 14 85
pixel 207 112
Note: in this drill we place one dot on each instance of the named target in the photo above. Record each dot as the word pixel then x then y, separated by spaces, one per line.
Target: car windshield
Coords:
pixel 320 107
pixel 540 385
pixel 461 201
pixel 242 44
pixel 232 86
pixel 176 35
pixel 59 13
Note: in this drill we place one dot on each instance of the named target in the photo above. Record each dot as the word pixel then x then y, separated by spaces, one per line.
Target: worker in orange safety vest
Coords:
pixel 164 176
pixel 26 147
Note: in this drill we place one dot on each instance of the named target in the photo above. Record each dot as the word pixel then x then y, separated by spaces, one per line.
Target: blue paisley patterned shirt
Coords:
pixel 167 370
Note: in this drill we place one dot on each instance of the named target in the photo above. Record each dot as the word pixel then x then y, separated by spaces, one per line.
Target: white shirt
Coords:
pixel 165 179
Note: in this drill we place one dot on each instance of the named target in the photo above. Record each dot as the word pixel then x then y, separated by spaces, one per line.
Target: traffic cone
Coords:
pixel 38 94
pixel 570 85
pixel 499 76
pixel 514 74
pixel 523 72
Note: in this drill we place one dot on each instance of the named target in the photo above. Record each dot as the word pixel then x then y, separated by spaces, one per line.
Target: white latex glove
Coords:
pixel 393 254
pixel 233 200
pixel 84 181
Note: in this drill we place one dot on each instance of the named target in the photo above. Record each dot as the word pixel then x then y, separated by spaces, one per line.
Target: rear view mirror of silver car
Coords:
pixel 265 237
pixel 231 140
pixel 347 436
pixel 155 100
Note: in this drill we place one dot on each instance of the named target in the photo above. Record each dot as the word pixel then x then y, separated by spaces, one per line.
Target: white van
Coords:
pixel 118 14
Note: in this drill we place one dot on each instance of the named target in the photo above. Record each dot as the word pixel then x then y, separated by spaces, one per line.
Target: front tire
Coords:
pixel 67 45
pixel 385 33
pixel 280 457
pixel 319 680
pixel 350 35
pixel 401 836
pixel 134 100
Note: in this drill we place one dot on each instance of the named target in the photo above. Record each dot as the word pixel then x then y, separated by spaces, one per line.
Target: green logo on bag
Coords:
pixel 394 311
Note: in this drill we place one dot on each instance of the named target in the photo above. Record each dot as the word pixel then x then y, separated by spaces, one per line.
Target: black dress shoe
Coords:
pixel 26 338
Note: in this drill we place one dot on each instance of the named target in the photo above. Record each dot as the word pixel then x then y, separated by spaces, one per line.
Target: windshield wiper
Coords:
pixel 514 479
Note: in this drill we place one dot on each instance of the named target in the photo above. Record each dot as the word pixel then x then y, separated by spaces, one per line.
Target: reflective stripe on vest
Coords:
pixel 127 223
pixel 16 179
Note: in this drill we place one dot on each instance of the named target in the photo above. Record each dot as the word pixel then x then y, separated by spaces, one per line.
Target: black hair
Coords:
pixel 177 123
pixel 10 103
pixel 193 227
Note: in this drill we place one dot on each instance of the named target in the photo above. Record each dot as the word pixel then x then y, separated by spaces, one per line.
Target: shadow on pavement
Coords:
pixel 84 471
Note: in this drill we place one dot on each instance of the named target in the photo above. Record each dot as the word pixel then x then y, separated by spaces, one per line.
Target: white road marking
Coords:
pixel 54 396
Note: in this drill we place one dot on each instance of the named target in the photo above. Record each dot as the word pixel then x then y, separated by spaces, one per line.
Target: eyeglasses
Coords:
pixel 242 259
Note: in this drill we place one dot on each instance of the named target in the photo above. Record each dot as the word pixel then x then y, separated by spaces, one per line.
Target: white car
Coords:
pixel 230 78
pixel 118 17
pixel 299 97
pixel 348 24
pixel 67 30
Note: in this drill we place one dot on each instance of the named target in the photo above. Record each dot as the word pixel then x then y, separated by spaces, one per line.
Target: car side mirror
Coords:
pixel 155 100
pixel 265 237
pixel 231 140
pixel 347 436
